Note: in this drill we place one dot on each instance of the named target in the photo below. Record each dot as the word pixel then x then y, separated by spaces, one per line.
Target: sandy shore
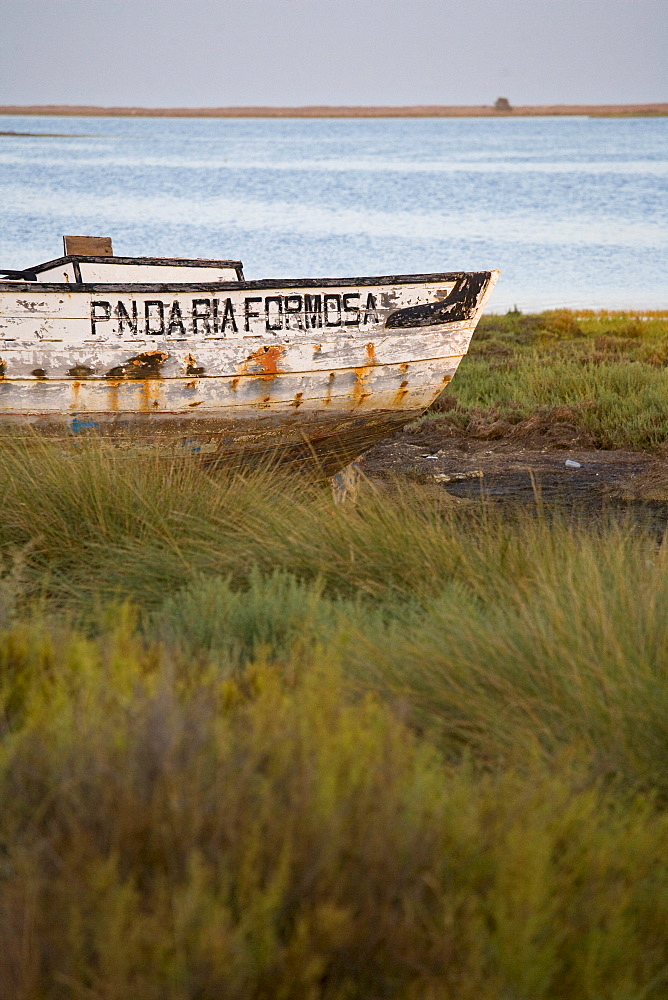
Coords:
pixel 317 111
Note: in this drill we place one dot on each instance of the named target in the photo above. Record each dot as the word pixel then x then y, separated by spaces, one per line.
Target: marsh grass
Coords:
pixel 255 744
pixel 102 524
pixel 500 634
pixel 569 649
pixel 609 371
pixel 648 486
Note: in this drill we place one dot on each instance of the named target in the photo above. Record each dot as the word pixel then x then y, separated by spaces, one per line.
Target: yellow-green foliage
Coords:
pixel 567 326
pixel 253 744
pixel 610 370
pixel 168 833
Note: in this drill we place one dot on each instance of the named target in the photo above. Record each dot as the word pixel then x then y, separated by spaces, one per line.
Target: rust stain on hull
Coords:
pixel 402 392
pixel 263 363
pixel 360 391
pixel 330 383
pixel 142 366
pixel 113 396
pixel 150 392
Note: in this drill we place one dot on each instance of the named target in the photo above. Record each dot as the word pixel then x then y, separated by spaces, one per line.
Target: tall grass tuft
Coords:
pixel 570 648
pixel 276 616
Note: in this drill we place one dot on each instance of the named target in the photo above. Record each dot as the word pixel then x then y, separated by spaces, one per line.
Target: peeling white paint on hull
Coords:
pixel 326 365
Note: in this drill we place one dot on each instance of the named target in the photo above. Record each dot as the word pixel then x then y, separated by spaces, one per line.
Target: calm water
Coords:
pixel 574 211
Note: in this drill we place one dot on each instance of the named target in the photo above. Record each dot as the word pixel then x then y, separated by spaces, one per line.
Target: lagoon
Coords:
pixel 574 211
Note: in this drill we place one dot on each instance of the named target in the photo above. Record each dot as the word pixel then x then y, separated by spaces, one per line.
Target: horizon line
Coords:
pixel 655 109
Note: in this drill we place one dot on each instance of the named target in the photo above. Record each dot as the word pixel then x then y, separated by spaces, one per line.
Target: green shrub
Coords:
pixel 171 837
pixel 561 323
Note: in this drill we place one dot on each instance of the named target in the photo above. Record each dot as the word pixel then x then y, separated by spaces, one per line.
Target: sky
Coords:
pixel 199 53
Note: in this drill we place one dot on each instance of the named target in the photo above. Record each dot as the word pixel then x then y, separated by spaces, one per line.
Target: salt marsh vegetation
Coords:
pixel 257 745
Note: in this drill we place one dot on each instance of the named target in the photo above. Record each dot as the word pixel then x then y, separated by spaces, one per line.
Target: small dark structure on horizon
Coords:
pixel 502 104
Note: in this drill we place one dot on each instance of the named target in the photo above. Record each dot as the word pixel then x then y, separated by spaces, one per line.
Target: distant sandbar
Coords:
pixel 325 111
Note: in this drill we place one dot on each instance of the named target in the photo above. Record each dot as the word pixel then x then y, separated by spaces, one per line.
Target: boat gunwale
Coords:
pixel 232 286
pixel 78 258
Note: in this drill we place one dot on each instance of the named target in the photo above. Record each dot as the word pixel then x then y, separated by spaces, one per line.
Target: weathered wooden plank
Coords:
pixel 331 440
pixel 385 295
pixel 410 386
pixel 201 263
pixel 79 316
pixel 177 359
pixel 99 245
pixel 93 272
pixel 425 280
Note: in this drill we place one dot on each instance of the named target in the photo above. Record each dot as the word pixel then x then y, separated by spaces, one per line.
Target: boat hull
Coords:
pixel 310 368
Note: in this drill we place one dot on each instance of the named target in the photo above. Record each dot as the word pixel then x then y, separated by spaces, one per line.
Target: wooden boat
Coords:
pixel 187 350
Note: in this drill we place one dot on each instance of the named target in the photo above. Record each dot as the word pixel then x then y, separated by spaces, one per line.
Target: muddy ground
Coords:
pixel 517 472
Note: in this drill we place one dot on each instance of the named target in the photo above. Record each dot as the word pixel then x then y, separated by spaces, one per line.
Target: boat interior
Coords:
pixel 88 259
